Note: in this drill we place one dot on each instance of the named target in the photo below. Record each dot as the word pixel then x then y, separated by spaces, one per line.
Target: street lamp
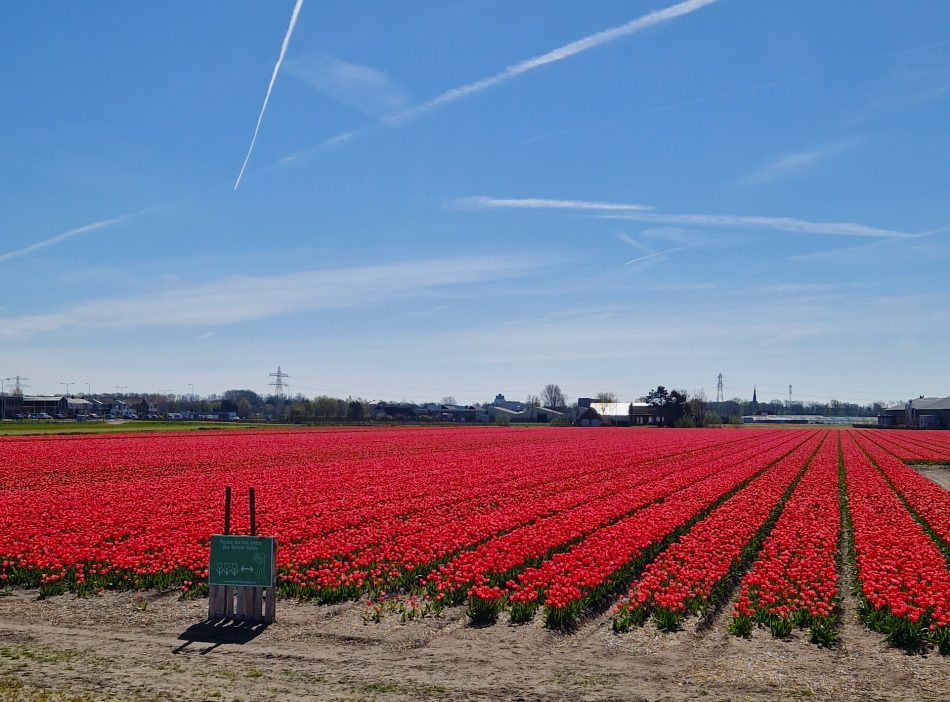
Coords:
pixel 71 382
pixel 3 398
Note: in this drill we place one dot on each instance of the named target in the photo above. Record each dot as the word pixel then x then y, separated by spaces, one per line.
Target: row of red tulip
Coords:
pixel 794 580
pixel 911 446
pixel 905 584
pixel 137 510
pixel 592 568
pixel 496 559
pixel 690 574
pixel 930 501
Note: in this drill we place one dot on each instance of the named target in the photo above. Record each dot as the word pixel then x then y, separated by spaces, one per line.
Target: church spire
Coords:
pixel 754 400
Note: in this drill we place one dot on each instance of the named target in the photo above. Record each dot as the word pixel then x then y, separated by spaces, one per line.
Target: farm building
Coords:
pixel 528 415
pixel 921 413
pixel 48 404
pixel 618 414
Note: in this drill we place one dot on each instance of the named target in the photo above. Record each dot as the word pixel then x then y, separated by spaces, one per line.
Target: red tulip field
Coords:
pixel 560 524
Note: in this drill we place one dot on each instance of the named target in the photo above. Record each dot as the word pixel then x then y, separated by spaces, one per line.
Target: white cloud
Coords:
pixel 784 224
pixel 245 298
pixel 534 203
pixel 366 89
pixel 790 164
pixel 631 212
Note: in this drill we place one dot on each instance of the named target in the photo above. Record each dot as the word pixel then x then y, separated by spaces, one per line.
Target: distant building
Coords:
pixel 919 413
pixel 617 414
pixel 44 404
pixel 451 413
pixel 144 408
pixel 394 411
pixel 528 415
pixel 514 405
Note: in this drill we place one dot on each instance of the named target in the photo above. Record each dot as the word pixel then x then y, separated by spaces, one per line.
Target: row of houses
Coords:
pixel 464 414
pixel 71 407
pixel 588 413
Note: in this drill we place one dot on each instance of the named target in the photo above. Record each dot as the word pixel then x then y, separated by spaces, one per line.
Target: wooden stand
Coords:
pixel 256 605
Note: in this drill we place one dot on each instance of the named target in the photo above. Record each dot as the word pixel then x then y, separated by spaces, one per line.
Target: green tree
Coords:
pixel 354 410
pixel 669 406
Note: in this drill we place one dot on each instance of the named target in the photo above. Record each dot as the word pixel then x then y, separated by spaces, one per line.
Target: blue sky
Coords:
pixel 479 197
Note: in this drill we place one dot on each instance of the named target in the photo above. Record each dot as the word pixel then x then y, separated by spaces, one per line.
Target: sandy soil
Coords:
pixel 940 474
pixel 108 648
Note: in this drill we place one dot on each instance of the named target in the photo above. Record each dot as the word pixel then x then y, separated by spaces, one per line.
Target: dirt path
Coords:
pixel 940 474
pixel 106 648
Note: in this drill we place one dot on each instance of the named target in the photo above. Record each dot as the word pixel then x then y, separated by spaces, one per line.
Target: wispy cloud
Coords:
pixel 790 164
pixel 904 89
pixel 534 203
pixel 633 213
pixel 853 254
pixel 579 46
pixel 244 298
pixel 426 313
pixel 783 224
pixel 270 87
pixel 59 238
pixel 366 89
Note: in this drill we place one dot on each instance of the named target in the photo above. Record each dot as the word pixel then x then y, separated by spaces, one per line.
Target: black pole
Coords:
pixel 227 510
pixel 253 515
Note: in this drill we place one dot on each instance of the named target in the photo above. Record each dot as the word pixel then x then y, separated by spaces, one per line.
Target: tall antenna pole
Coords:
pixel 279 383
pixel 719 396
pixel 789 399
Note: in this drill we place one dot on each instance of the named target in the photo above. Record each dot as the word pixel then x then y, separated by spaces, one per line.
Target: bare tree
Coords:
pixel 552 396
pixel 606 397
pixel 533 401
pixel 697 407
pixel 448 400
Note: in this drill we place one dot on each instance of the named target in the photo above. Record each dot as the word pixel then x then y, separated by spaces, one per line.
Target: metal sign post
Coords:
pixel 241 572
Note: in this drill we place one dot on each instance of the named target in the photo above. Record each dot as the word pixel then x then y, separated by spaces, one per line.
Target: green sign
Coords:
pixel 242 560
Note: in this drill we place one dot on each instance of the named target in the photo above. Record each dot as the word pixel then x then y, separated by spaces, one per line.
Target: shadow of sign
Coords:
pixel 217 632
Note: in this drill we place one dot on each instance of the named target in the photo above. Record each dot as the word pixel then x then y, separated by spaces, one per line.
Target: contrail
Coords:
pixel 270 87
pixel 558 54
pixel 658 253
pixel 63 237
